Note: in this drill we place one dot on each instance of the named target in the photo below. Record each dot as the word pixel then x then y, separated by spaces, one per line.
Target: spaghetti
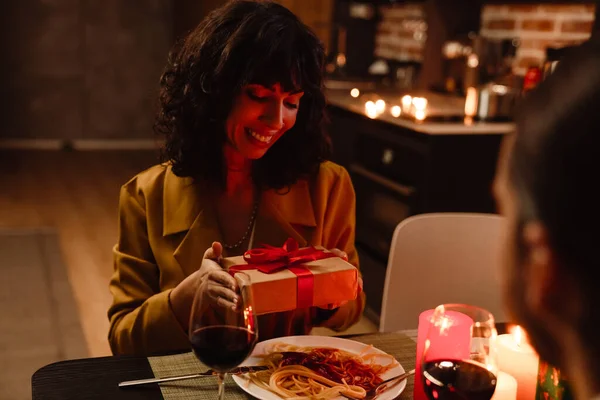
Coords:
pixel 319 373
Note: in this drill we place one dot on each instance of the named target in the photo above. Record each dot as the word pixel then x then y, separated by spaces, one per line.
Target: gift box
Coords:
pixel 287 278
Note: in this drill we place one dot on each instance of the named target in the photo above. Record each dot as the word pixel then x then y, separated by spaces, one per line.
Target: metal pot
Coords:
pixel 491 101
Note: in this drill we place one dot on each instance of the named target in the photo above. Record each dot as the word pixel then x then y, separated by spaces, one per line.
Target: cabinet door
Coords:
pixel 392 160
pixel 381 204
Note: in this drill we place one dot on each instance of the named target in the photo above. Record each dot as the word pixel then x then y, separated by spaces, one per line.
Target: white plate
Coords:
pixel 317 341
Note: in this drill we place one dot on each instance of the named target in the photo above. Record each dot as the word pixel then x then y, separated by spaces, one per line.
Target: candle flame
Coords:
pixel 519 335
pixel 445 323
pixel 420 115
pixel 473 61
pixel 471 102
pixel 371 109
pixel 355 92
pixel 420 103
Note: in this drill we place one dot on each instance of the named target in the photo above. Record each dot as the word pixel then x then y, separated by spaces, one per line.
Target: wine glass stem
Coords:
pixel 221 378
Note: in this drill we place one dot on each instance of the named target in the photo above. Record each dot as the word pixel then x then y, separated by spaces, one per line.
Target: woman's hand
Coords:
pixel 344 256
pixel 216 285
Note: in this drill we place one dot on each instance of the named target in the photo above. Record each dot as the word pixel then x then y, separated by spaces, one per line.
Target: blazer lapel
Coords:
pixel 187 211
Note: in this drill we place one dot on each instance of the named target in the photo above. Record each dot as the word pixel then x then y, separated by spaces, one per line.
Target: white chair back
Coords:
pixel 442 258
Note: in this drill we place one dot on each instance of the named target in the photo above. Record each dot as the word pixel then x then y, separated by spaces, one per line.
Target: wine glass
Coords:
pixel 221 337
pixel 459 356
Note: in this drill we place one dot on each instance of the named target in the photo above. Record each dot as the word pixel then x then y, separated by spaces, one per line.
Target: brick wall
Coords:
pixel 537 27
pixel 401 33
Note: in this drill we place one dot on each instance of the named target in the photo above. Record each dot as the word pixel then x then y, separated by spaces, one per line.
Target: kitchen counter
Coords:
pixel 438 105
pixel 401 167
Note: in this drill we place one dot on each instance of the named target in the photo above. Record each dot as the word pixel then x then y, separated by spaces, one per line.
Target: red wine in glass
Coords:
pixel 458 380
pixel 223 336
pixel 222 348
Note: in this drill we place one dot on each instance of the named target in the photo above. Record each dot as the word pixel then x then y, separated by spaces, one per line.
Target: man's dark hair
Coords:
pixel 240 43
pixel 555 165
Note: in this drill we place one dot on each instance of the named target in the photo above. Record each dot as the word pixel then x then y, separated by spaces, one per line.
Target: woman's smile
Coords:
pixel 261 138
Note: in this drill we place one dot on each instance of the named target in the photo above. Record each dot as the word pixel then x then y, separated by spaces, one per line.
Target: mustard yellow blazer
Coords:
pixel 166 224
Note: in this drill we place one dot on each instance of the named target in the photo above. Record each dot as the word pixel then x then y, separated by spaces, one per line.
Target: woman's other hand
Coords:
pixel 340 253
pixel 216 285
pixel 344 256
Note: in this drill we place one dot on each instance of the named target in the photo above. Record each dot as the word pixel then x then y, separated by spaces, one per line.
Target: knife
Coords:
pixel 210 372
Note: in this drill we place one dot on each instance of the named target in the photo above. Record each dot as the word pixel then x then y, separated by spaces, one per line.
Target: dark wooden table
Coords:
pixel 98 378
pixel 94 378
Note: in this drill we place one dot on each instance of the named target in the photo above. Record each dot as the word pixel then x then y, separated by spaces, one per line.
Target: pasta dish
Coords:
pixel 319 372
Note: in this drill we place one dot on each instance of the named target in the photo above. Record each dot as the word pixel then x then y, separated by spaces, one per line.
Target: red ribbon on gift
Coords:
pixel 270 259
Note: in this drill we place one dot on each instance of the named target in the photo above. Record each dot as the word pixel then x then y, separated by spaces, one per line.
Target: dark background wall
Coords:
pixel 81 69
pixel 88 69
pixel 188 13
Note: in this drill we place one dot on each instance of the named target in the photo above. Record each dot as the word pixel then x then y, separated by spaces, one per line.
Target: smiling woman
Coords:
pixel 242 110
pixel 260 116
pixel 245 63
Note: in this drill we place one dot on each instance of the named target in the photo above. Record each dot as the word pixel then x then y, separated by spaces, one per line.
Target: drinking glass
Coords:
pixel 459 356
pixel 221 337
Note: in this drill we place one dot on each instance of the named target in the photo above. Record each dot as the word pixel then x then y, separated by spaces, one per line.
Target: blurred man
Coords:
pixel 546 181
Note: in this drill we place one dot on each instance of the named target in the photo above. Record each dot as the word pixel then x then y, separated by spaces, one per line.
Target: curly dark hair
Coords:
pixel 242 42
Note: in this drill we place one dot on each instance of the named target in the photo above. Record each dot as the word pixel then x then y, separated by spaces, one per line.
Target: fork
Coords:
pixel 371 394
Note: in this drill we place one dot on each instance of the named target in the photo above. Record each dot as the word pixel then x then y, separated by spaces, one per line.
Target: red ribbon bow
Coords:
pixel 270 259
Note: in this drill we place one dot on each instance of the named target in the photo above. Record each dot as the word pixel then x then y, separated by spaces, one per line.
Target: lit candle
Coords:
pixel 471 102
pixel 517 358
pixel 355 92
pixel 406 103
pixel 396 111
pixel 419 108
pixel 371 109
pixel 420 115
pixel 456 346
pixel 506 387
pixel 420 103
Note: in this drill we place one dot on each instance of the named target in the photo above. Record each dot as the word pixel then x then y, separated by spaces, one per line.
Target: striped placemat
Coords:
pixel 399 345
